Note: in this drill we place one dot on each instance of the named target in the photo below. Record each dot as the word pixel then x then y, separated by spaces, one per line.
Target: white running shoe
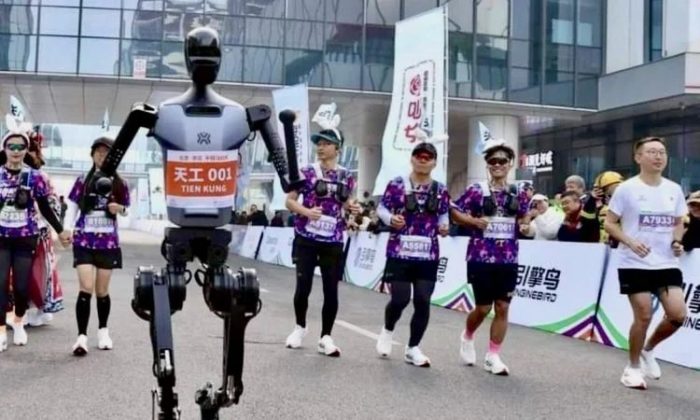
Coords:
pixel 35 317
pixel 633 378
pixel 3 341
pixel 416 357
pixel 80 348
pixel 384 342
pixel 650 367
pixel 20 336
pixel 328 347
pixel 294 339
pixel 46 317
pixel 467 352
pixel 104 342
pixel 494 364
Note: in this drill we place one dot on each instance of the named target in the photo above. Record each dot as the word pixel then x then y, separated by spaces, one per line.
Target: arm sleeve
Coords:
pixel 384 214
pixel 49 214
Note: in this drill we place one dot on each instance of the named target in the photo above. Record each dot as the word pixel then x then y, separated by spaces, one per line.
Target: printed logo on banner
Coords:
pixel 442 269
pixel 537 283
pixel 418 96
pixel 692 300
pixel 364 258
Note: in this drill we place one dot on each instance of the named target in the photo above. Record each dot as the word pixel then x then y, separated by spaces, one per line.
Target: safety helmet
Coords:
pixel 607 178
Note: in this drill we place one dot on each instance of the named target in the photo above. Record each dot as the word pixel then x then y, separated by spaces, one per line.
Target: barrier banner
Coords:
pixel 451 289
pixel 557 287
pixel 276 246
pixel 366 259
pixel 251 241
pixel 238 233
pixel 419 95
pixel 614 316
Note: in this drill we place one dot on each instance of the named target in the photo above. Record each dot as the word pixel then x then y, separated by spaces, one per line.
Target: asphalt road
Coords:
pixel 552 377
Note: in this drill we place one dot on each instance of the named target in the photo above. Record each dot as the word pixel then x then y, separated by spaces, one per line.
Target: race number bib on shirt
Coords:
pixel 324 226
pixel 11 217
pixel 500 228
pixel 201 179
pixel 414 246
pixel 656 222
pixel 98 222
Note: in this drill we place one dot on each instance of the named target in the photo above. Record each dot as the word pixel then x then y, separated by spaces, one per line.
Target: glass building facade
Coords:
pixel 529 51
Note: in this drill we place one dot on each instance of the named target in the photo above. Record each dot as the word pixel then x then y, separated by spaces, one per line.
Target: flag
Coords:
pixel 16 109
pixel 105 121
pixel 484 136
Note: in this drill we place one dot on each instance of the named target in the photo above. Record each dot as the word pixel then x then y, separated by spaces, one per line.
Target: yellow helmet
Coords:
pixel 607 178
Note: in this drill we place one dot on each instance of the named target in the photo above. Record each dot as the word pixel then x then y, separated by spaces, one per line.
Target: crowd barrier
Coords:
pixel 564 288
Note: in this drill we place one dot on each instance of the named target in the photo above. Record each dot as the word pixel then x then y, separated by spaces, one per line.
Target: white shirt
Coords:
pixel 648 215
pixel 546 225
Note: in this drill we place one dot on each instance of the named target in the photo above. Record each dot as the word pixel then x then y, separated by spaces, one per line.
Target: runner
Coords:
pixel 416 207
pixel 20 188
pixel 492 209
pixel 319 228
pixel 96 249
pixel 650 209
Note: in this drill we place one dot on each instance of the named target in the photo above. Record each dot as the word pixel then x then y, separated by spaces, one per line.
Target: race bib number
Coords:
pixel 11 217
pixel 500 228
pixel 324 226
pixel 200 179
pixel 414 246
pixel 656 222
pixel 98 223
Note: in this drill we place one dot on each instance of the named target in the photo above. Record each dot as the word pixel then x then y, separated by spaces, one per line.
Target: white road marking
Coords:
pixel 361 331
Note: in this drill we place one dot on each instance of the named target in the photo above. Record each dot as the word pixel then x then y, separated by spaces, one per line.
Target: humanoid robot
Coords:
pixel 199 132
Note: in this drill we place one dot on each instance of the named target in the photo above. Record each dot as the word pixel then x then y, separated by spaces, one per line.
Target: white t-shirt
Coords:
pixel 648 214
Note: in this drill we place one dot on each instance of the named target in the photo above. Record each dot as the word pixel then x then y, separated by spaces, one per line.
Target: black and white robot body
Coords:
pixel 200 120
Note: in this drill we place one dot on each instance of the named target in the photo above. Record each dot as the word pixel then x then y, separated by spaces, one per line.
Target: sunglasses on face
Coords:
pixel 424 156
pixel 16 147
pixel 497 161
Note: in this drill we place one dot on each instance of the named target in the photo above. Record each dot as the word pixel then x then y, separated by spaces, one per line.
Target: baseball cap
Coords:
pixel 694 198
pixel 333 136
pixel 539 197
pixel 425 147
pixel 102 141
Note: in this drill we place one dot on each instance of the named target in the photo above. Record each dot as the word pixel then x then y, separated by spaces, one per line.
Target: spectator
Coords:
pixel 691 238
pixel 257 217
pixel 590 202
pixel 546 220
pixel 277 220
pixel 243 218
pixel 579 225
pixel 528 188
pixel 603 187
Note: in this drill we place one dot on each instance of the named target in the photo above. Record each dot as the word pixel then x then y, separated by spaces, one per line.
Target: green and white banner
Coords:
pixel 557 288
pixel 366 258
pixel 451 288
pixel 276 246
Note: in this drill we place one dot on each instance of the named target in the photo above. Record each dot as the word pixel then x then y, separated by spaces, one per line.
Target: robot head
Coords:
pixel 203 55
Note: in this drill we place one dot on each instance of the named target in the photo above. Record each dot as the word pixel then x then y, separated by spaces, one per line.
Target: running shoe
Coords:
pixel 494 364
pixel 467 352
pixel 650 367
pixel 328 347
pixel 104 342
pixel 80 348
pixel 415 356
pixel 20 335
pixel 294 339
pixel 35 317
pixel 384 342
pixel 633 378
pixel 3 341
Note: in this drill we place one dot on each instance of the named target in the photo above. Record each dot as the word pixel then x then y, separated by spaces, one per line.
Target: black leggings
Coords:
pixel 306 254
pixel 16 254
pixel 400 297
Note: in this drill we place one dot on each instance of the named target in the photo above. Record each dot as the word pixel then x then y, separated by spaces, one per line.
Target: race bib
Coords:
pixel 98 222
pixel 656 222
pixel 11 217
pixel 200 179
pixel 414 246
pixel 324 226
pixel 500 228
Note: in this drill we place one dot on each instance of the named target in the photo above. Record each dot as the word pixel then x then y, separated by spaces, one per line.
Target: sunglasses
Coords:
pixel 497 161
pixel 16 147
pixel 424 156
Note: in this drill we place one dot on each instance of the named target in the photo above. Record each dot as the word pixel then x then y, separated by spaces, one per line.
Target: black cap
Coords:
pixel 332 136
pixel 102 141
pixel 425 147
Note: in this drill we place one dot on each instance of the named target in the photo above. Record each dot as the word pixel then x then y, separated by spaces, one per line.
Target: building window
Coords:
pixel 655 19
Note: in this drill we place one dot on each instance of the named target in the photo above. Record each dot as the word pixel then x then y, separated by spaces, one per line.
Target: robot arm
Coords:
pixel 99 181
pixel 287 169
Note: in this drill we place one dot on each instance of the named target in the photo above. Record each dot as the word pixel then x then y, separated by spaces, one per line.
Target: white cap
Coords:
pixel 539 197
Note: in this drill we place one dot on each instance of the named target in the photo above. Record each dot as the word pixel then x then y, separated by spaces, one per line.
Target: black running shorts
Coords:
pixel 492 282
pixel 106 259
pixel 633 280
